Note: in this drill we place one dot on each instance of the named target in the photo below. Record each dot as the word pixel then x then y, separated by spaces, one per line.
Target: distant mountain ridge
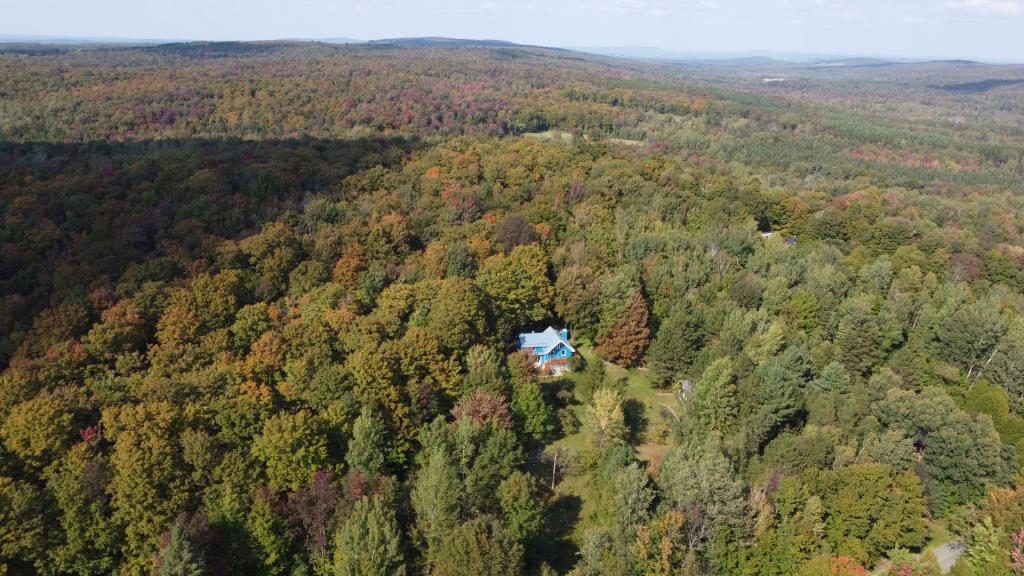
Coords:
pixel 56 39
pixel 442 41
pixel 754 59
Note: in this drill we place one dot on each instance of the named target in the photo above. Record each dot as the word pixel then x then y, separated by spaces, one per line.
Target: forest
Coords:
pixel 259 306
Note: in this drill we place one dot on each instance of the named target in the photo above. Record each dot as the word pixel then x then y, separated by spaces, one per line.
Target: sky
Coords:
pixel 980 29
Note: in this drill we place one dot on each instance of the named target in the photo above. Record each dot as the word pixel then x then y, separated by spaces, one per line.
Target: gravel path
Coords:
pixel 948 553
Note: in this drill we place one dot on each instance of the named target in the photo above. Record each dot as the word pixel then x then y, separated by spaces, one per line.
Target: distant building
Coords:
pixel 789 242
pixel 550 349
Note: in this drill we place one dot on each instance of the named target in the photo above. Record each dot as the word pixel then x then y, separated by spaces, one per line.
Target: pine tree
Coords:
pixel 521 507
pixel 674 349
pixel 633 497
pixel 435 499
pixel 367 450
pixel 533 416
pixel 714 397
pixel 830 389
pixel 480 547
pixel 179 557
pixel 368 542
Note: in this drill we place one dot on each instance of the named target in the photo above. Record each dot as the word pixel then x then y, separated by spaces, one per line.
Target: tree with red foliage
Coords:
pixel 515 230
pixel 1016 564
pixel 312 506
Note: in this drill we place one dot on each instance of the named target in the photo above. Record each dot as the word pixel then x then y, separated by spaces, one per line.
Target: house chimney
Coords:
pixel 564 334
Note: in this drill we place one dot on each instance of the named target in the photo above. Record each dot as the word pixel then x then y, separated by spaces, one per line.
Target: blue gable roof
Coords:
pixel 546 340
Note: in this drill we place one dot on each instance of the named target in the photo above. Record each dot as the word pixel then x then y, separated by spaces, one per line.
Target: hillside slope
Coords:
pixel 259 306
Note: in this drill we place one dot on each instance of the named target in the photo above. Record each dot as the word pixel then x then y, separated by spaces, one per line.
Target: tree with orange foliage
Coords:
pixel 833 566
pixel 626 341
pixel 660 549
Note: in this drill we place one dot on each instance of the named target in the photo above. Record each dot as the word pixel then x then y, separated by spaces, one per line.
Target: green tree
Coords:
pixel 859 337
pixel 41 429
pixel 268 536
pixel 150 484
pixel 436 497
pixel 714 398
pixel 633 497
pixel 458 314
pixel 777 400
pixel 487 454
pixel 90 542
pixel 891 448
pixel 368 542
pixel 830 391
pixel 963 453
pixel 483 369
pixel 292 447
pixel 519 286
pixel 874 510
pixel 605 419
pixel 367 450
pixel 697 479
pixel 680 337
pixel 179 556
pixel 578 299
pixel 521 506
pixel 532 414
pixel 23 531
pixel 479 547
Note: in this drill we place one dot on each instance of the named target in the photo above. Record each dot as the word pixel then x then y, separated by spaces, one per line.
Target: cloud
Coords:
pixel 990 7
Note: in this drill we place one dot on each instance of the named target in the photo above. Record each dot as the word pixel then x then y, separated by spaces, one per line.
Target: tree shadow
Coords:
pixel 636 419
pixel 148 205
pixel 559 549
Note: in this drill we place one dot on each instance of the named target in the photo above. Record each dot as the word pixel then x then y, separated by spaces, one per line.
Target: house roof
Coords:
pixel 547 340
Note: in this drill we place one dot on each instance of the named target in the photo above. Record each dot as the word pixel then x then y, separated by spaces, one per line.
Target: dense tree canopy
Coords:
pixel 258 307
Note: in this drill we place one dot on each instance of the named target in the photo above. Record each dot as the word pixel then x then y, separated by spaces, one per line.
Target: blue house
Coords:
pixel 551 348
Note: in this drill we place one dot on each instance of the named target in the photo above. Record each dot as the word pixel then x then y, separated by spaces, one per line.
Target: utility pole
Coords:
pixel 554 468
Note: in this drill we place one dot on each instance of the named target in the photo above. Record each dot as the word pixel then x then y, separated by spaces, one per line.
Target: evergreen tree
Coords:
pixel 633 496
pixel 480 547
pixel 368 543
pixel 679 339
pixel 714 397
pixel 367 450
pixel 436 499
pixel 533 415
pixel 829 393
pixel 268 533
pixel 521 506
pixel 179 557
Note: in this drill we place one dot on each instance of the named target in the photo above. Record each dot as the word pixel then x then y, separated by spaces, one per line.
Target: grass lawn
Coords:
pixel 638 389
pixel 550 136
pixel 575 502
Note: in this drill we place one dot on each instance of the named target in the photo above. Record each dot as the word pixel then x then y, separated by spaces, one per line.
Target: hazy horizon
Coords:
pixel 976 29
